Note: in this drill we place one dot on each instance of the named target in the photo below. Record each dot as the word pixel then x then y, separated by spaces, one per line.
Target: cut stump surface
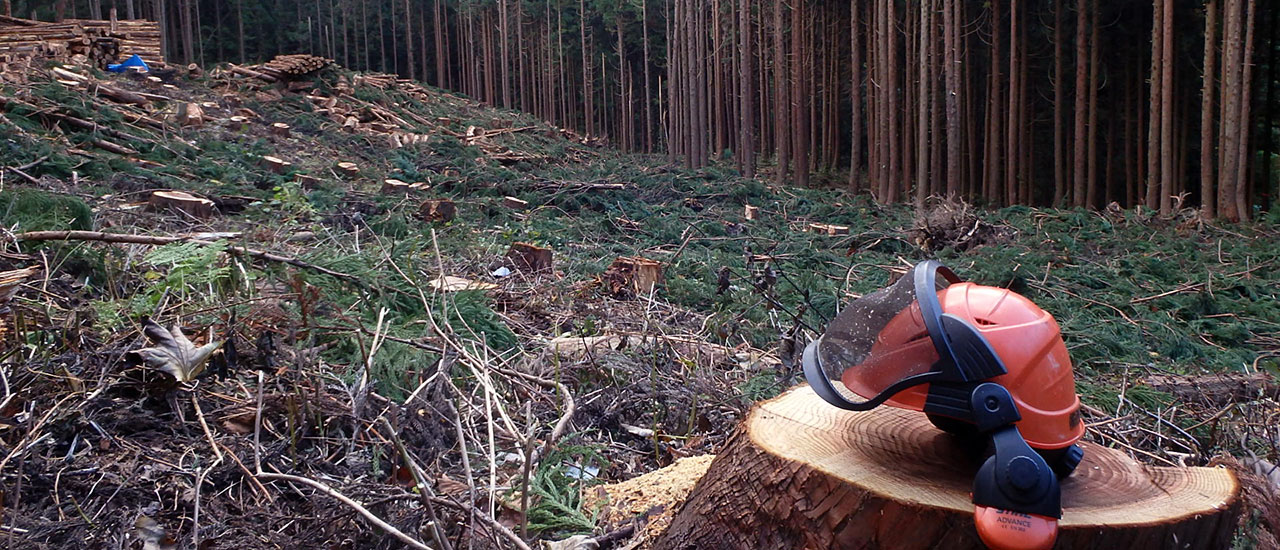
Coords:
pixel 803 474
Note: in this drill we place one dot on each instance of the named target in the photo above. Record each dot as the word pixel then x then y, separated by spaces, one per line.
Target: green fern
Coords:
pixel 190 266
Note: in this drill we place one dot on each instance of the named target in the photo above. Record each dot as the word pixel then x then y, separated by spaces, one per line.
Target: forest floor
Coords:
pixel 512 391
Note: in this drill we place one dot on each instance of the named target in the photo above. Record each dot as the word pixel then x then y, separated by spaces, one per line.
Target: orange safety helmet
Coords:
pixel 978 360
pixel 1025 337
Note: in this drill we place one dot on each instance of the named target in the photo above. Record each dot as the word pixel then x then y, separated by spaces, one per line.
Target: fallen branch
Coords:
pixel 76 122
pixel 24 175
pixel 387 527
pixel 160 241
pixel 113 147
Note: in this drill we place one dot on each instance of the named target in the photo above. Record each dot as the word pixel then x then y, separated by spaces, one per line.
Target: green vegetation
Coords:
pixel 25 209
pixel 1134 293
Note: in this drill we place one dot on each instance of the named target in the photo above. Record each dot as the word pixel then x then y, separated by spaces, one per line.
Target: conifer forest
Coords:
pixel 1159 103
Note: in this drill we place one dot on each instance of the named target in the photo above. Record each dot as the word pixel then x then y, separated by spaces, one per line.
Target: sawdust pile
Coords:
pixel 652 498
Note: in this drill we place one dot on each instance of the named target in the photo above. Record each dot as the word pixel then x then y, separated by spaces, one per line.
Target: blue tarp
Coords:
pixel 134 61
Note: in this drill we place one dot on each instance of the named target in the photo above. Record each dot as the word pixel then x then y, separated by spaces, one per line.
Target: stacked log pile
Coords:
pixel 79 41
pixel 284 68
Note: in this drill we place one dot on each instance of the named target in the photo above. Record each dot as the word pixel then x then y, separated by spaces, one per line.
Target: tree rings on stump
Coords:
pixel 803 474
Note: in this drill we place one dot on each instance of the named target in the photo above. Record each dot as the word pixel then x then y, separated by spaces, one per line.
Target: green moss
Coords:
pixel 24 209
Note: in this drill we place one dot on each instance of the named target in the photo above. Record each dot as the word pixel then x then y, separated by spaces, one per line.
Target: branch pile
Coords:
pixel 79 41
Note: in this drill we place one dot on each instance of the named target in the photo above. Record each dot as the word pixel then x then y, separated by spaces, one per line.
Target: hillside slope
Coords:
pixel 513 390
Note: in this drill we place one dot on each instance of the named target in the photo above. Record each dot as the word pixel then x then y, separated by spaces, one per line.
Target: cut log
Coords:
pixel 349 169
pixel 632 276
pixel 803 474
pixel 190 114
pixel 186 203
pixel 512 203
pixel 751 212
pixel 437 210
pixel 10 282
pixel 113 147
pixel 1217 389
pixel 280 129
pixel 529 258
pixel 276 164
pixel 828 229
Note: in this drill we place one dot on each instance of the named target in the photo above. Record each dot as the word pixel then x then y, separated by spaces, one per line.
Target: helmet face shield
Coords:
pixel 878 340
pixel 919 341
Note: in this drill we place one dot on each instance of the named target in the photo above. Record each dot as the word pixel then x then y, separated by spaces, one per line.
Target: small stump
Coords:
pixel 186 203
pixel 529 258
pixel 280 129
pixel 348 169
pixel 276 164
pixel 437 210
pixel 632 276
pixel 512 203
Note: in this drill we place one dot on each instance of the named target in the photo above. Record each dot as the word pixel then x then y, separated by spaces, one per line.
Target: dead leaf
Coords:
pixel 173 352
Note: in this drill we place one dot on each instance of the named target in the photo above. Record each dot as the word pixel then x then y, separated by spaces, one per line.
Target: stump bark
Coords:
pixel 802 474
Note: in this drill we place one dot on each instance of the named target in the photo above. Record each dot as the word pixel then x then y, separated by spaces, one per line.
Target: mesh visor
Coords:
pixel 877 340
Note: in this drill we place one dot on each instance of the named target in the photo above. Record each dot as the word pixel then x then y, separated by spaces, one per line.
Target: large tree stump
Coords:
pixel 803 474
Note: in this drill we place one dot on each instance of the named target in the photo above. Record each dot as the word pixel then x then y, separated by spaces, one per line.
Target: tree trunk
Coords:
pixel 746 110
pixel 1167 143
pixel 799 92
pixel 648 94
pixel 586 68
pixel 782 107
pixel 1206 112
pixel 408 40
pixel 922 104
pixel 952 66
pixel 802 474
pixel 1059 95
pixel 1244 166
pixel 521 75
pixel 504 47
pixel 1091 184
pixel 1013 125
pixel 895 148
pixel 855 95
pixel 188 36
pixel 1229 136
pixel 1154 119
pixel 1268 106
pixel 991 179
pixel 1078 193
